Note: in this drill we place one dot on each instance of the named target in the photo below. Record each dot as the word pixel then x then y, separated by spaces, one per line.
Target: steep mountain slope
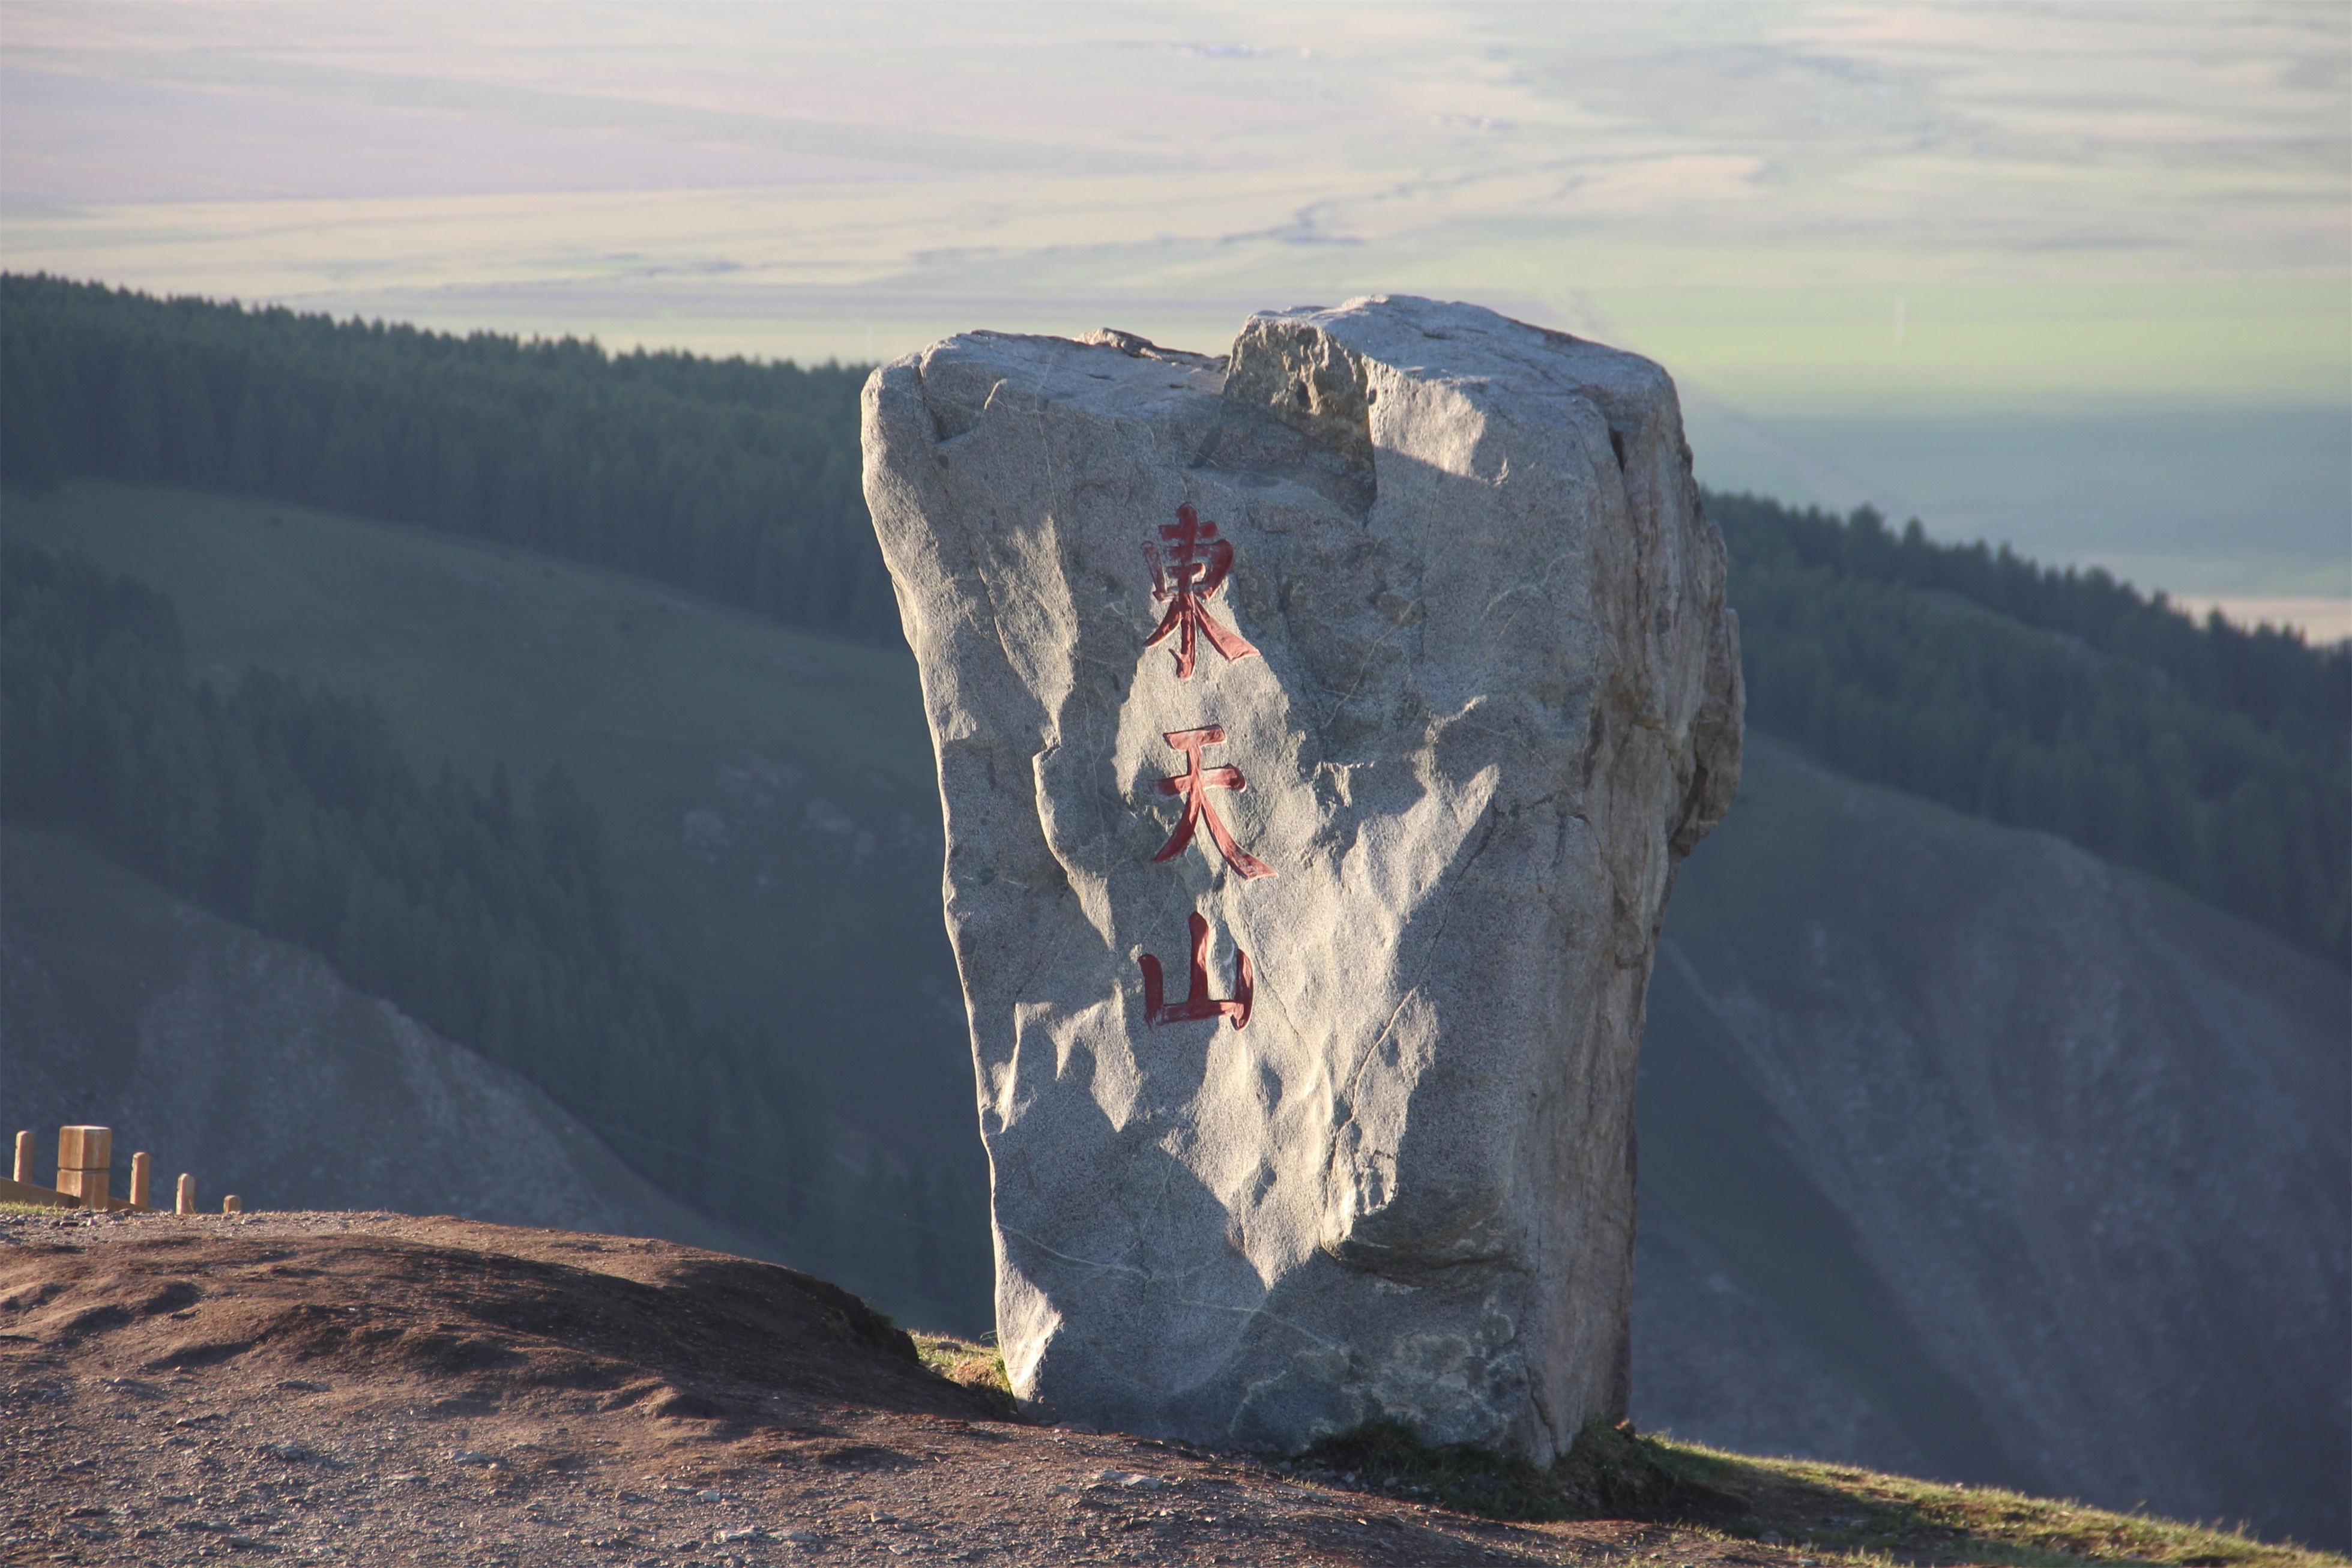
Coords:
pixel 767 796
pixel 247 1063
pixel 1964 1151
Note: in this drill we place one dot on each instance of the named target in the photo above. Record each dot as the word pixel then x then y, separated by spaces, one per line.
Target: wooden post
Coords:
pixel 232 1204
pixel 85 1164
pixel 25 1158
pixel 186 1202
pixel 143 1177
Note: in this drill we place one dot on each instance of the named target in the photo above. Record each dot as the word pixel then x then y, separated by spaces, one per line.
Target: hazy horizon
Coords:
pixel 2075 280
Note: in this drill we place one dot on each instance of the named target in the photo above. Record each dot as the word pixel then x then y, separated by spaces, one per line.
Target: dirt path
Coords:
pixel 372 1388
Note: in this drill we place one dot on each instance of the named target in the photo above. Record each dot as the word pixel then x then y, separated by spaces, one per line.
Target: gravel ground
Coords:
pixel 380 1389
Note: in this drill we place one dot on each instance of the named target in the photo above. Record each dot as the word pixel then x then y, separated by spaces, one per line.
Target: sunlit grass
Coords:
pixel 1845 1511
pixel 977 1366
pixel 1833 1513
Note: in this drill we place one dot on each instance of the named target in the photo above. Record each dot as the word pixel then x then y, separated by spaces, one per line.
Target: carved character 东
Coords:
pixel 1198 1002
pixel 1195 784
pixel 1195 568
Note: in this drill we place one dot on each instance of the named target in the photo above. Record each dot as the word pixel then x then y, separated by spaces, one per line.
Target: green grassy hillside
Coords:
pixel 767 794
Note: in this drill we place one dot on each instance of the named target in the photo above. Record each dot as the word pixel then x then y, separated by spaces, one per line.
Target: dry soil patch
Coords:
pixel 374 1388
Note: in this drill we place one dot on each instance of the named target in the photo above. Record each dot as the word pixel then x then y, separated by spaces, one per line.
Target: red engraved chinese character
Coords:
pixel 1195 570
pixel 1199 1004
pixel 1195 784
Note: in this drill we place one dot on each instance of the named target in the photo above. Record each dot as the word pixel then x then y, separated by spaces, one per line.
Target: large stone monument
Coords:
pixel 1318 728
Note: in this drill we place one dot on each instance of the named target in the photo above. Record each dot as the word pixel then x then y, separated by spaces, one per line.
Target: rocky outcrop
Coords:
pixel 1318 732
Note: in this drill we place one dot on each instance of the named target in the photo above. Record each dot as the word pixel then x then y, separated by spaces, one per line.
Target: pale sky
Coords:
pixel 2075 277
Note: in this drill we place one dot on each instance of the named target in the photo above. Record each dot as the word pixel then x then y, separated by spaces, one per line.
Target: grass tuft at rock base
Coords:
pixel 1610 1473
pixel 977 1366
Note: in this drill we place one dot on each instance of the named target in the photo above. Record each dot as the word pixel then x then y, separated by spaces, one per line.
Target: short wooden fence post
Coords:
pixel 25 1158
pixel 232 1204
pixel 85 1164
pixel 143 1177
pixel 186 1202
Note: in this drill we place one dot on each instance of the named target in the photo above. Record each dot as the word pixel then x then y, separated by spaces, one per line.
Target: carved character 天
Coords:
pixel 1195 784
pixel 1188 575
pixel 1197 1003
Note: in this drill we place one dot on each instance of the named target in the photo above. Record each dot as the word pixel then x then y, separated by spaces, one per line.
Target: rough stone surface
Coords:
pixel 1478 692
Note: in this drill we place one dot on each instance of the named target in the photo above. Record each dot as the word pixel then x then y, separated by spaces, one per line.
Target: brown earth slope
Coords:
pixel 372 1388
